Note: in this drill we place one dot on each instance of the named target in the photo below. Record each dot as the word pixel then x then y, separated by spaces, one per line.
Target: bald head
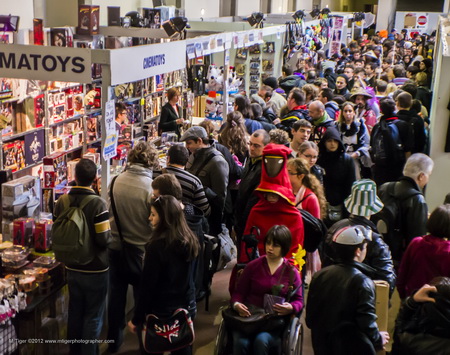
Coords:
pixel 316 109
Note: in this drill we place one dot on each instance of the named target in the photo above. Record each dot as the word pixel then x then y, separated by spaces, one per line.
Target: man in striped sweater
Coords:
pixel 192 187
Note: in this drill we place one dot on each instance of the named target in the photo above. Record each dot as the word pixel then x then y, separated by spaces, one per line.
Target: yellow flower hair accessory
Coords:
pixel 299 258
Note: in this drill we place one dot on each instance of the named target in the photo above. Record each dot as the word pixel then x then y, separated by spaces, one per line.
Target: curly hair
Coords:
pixel 278 136
pixel 311 92
pixel 235 136
pixel 209 127
pixel 144 153
pixel 301 166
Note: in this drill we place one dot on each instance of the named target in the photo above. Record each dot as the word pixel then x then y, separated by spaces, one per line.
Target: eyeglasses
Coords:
pixel 308 156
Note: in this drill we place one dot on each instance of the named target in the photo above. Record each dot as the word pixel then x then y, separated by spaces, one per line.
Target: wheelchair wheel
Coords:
pixel 293 338
pixel 222 340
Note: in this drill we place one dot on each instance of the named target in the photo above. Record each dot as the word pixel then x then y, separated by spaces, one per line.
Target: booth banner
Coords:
pixel 220 43
pixel 228 40
pixel 336 35
pixel 205 46
pixel 137 63
pixel 198 49
pixel 49 62
pixel 190 50
pixel 110 145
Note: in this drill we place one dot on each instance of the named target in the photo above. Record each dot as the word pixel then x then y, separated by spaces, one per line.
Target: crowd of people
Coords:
pixel 343 138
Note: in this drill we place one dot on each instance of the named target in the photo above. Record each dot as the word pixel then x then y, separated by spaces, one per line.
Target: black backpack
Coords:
pixel 314 230
pixel 389 219
pixel 387 146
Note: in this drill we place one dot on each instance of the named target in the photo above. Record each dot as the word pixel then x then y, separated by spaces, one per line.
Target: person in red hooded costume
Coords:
pixel 276 205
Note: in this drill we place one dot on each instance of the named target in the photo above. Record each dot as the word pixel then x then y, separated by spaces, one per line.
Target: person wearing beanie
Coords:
pixel 339 173
pixel 341 86
pixel 271 81
pixel 347 326
pixel 362 203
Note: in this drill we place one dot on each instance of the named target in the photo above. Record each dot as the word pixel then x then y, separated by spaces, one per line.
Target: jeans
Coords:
pixel 87 302
pixel 120 277
pixel 264 343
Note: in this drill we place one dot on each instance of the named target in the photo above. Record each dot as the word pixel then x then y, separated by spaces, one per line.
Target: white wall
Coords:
pixel 22 8
pixel 439 184
pixel 304 5
pixel 193 8
pixel 386 13
pixel 279 7
pixel 333 5
pixel 246 7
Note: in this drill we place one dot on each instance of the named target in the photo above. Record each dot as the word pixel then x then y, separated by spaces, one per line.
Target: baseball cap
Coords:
pixel 352 235
pixel 195 132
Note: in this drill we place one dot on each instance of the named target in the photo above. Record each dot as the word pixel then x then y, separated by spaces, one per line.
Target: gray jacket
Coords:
pixel 214 174
pixel 132 196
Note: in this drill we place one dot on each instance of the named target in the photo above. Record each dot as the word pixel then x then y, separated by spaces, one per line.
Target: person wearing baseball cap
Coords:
pixel 363 203
pixel 209 165
pixel 340 310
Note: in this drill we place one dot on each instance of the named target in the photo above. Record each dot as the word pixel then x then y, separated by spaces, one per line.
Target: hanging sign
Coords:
pixel 336 35
pixel 49 62
pixel 137 63
pixel 110 145
pixel 190 50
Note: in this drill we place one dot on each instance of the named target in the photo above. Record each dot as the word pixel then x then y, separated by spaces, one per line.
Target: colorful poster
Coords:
pixel 336 35
pixel 110 145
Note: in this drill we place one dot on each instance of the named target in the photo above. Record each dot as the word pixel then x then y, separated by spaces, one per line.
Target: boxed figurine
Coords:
pixel 43 236
pixel 55 169
pixel 23 229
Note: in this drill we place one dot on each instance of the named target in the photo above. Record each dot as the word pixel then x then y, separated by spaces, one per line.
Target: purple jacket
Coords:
pixel 425 258
pixel 256 281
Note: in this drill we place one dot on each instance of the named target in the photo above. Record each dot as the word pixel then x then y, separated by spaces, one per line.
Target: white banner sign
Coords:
pixel 45 62
pixel 137 63
pixel 110 146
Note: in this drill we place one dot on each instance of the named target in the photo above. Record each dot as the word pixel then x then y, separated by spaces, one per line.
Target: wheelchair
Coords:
pixel 291 342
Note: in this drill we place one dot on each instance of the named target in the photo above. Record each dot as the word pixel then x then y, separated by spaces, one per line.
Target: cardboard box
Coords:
pixel 88 19
pixel 55 169
pixel 382 306
pixel 23 229
pixel 43 236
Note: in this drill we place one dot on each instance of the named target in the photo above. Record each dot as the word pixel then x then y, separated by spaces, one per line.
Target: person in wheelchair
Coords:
pixel 269 275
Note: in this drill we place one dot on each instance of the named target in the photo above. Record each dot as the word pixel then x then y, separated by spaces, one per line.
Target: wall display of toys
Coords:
pixel 268 54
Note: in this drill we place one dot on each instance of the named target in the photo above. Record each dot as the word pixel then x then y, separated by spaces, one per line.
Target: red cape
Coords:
pixel 265 215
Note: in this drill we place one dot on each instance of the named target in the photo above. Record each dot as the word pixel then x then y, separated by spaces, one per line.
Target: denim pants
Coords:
pixel 263 343
pixel 87 302
pixel 120 277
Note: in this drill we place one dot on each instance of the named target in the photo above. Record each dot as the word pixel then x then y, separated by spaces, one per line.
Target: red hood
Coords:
pixel 280 183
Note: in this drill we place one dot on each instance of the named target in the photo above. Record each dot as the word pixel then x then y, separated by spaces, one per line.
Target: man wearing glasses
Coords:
pixel 121 116
pixel 250 180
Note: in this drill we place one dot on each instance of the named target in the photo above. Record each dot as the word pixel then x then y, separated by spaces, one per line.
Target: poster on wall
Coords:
pixel 336 35
pixel 109 149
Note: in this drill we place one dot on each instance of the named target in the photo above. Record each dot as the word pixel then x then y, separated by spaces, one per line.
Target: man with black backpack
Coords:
pixel 81 234
pixel 391 144
pixel 405 211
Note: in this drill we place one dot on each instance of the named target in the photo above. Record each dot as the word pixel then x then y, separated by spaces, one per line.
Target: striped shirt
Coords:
pixel 191 186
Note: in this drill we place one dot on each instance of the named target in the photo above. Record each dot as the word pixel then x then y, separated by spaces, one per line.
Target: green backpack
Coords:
pixel 72 241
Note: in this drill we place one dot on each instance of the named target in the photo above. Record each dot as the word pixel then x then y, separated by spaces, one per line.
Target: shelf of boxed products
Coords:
pixel 73 118
pixel 9 138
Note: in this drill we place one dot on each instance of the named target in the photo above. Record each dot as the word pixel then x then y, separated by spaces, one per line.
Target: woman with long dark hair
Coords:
pixel 168 275
pixel 235 136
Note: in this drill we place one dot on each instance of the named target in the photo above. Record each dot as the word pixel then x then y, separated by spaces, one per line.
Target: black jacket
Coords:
pixel 339 169
pixel 167 121
pixel 414 209
pixel 246 199
pixel 288 120
pixel 418 129
pixel 423 328
pixel 378 258
pixel 267 125
pixel 341 294
pixel 290 82
pixel 167 281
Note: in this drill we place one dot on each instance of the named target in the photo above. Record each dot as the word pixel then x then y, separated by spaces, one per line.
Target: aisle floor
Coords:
pixel 206 323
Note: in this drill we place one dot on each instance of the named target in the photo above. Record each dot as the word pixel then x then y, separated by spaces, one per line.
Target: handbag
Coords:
pixel 168 334
pixel 259 320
